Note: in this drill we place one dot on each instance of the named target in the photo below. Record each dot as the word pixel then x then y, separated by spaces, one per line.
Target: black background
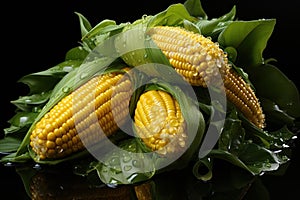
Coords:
pixel 35 35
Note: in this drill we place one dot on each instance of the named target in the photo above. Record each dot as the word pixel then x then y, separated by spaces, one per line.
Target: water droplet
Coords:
pixel 37 166
pixel 114 161
pixel 144 16
pixel 127 167
pixel 126 159
pixel 27 100
pixel 136 163
pixel 83 75
pixel 23 119
pixel 66 89
pixel 112 185
pixel 268 165
pixel 195 74
pixel 67 68
pixel 8 164
pixel 285 146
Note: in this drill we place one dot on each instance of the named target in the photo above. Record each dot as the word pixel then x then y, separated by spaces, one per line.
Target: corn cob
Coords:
pixel 160 123
pixel 71 123
pixel 200 61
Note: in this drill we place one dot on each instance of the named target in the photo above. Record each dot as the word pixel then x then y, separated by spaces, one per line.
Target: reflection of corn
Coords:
pixel 144 191
pixel 101 102
pixel 200 61
pixel 159 122
pixel 61 186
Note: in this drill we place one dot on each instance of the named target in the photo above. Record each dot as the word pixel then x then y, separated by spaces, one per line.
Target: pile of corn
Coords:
pixel 158 118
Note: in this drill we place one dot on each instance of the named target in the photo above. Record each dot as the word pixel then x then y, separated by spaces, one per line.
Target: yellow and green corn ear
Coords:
pixel 159 122
pixel 71 122
pixel 200 61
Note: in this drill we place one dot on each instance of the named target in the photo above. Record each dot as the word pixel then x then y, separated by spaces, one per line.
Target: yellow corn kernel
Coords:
pixel 197 58
pixel 74 121
pixel 201 62
pixel 159 122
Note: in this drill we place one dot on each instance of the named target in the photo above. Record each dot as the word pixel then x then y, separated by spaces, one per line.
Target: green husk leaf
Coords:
pixel 213 27
pixel 9 144
pixel 14 158
pixel 127 164
pixel 249 38
pixel 272 84
pixel 76 53
pixel 20 121
pixel 174 15
pixel 85 25
pixel 32 102
pixel 194 7
pixel 44 81
pixel 202 169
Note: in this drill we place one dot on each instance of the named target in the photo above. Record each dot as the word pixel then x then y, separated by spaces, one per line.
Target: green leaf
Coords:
pixel 249 38
pixel 44 81
pixel 259 159
pixel 233 134
pixel 275 116
pixel 100 28
pixel 29 103
pixel 127 164
pixel 174 15
pixel 85 25
pixel 202 169
pixel 213 27
pixel 195 9
pixel 272 84
pixel 227 156
pixel 9 144
pixel 13 157
pixel 76 53
pixel 20 120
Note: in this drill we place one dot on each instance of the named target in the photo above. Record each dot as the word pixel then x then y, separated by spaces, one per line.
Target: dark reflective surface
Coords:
pixel 36 36
pixel 36 182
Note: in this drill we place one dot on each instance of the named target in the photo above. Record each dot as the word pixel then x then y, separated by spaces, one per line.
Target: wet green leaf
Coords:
pixel 9 144
pixel 44 81
pixel 127 164
pixel 195 9
pixel 213 27
pixel 272 84
pixel 249 38
pixel 19 121
pixel 85 25
pixel 32 102
pixel 174 15
pixel 76 53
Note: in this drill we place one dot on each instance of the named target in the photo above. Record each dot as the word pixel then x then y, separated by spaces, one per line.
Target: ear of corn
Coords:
pixel 91 112
pixel 200 61
pixel 159 122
